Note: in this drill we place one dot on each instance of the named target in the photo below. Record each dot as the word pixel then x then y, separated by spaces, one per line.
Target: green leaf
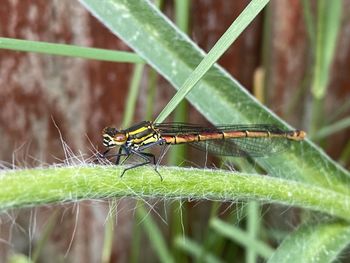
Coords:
pixel 313 243
pixel 219 97
pixel 68 50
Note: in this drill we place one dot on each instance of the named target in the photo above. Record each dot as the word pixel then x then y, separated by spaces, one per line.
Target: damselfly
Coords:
pixel 231 140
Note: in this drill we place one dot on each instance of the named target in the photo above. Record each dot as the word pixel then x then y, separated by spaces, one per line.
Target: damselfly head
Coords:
pixel 113 137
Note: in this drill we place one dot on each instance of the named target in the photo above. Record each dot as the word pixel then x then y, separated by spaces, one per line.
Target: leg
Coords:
pixel 150 155
pixel 163 151
pixel 141 155
pixel 118 156
pixel 145 156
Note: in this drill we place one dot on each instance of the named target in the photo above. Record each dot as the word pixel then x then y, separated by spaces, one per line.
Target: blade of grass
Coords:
pixel 332 128
pixel 328 25
pixel 239 236
pixel 313 243
pixel 151 94
pixel 182 11
pixel 109 234
pixel 132 95
pixel 220 98
pixel 136 241
pixel 217 243
pixel 243 20
pixel 309 21
pixel 20 188
pixel 47 231
pixel 179 226
pixel 253 224
pixel 69 50
pixel 195 250
pixel 154 234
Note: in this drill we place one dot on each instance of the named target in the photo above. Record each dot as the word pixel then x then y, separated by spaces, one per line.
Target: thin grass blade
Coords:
pixel 328 25
pixel 239 236
pixel 196 250
pixel 69 50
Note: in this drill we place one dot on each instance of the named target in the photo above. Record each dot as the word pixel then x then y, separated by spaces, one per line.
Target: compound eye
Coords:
pixel 120 138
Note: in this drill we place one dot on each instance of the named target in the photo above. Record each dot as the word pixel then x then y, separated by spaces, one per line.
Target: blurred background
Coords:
pixel 274 59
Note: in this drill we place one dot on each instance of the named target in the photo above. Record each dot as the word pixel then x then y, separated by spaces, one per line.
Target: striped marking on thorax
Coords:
pixel 143 135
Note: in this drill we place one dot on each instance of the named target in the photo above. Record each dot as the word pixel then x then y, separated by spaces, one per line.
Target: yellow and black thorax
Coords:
pixel 141 134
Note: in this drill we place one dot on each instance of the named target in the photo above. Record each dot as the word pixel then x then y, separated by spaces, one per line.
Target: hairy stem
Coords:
pixel 29 187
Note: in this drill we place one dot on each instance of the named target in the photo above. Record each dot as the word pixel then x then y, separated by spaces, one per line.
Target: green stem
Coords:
pixel 30 187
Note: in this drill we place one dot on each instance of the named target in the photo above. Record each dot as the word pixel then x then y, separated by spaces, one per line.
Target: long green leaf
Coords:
pixel 68 50
pixel 313 243
pixel 217 96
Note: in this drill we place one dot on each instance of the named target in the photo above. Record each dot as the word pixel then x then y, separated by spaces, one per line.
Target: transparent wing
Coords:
pixel 175 128
pixel 243 147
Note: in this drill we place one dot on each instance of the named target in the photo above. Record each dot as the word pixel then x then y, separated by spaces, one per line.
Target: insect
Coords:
pixel 230 140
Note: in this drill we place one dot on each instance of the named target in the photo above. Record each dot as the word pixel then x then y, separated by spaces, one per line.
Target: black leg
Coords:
pixel 141 155
pixel 151 156
pixel 156 164
pixel 163 150
pixel 118 156
pixel 145 156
